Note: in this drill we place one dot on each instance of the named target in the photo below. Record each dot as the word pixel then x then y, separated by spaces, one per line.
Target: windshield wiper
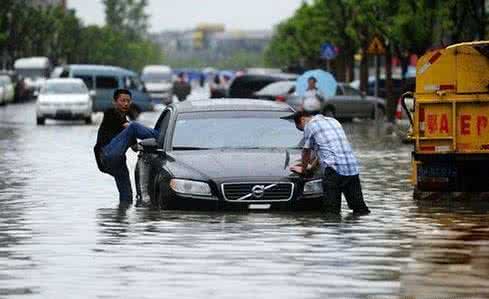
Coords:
pixel 189 148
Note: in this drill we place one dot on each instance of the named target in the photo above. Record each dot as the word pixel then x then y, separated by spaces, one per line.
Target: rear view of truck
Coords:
pixel 450 123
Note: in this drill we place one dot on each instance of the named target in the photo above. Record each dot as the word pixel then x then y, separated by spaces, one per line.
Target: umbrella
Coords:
pixel 326 83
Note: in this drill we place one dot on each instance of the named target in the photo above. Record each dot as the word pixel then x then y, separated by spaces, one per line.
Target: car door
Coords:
pixel 150 165
pixel 359 105
pixel 339 103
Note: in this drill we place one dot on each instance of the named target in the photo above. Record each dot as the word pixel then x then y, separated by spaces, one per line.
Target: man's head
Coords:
pixel 301 118
pixel 122 100
pixel 311 83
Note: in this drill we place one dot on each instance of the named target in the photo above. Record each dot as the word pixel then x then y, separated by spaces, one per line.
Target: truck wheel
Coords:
pixel 40 121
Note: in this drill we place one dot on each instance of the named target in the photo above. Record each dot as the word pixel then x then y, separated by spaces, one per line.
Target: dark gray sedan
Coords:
pixel 347 103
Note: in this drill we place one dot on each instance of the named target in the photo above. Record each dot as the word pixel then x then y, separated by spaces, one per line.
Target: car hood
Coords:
pixel 64 98
pixel 223 165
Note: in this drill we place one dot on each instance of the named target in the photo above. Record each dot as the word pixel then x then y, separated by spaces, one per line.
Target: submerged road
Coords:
pixel 63 234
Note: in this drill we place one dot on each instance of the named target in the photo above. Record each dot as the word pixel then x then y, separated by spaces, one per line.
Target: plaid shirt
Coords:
pixel 326 137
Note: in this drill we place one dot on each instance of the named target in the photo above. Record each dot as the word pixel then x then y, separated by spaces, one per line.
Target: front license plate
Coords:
pixel 259 206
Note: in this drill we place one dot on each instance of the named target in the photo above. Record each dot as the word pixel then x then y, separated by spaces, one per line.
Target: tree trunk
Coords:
pixel 391 101
pixel 364 69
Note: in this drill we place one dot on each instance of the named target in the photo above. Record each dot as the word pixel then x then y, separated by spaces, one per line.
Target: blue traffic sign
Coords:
pixel 328 51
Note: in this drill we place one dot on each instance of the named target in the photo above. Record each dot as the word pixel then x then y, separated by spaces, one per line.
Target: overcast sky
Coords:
pixel 185 14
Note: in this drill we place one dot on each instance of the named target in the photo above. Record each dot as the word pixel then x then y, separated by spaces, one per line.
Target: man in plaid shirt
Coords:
pixel 326 137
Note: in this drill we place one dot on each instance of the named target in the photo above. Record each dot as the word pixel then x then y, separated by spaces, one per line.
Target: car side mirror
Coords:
pixel 92 93
pixel 150 145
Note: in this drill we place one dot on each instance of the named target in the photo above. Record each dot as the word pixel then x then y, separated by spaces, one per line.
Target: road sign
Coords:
pixel 328 51
pixel 376 47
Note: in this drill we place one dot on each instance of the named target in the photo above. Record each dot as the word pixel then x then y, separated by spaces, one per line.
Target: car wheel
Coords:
pixel 40 121
pixel 88 120
pixel 163 200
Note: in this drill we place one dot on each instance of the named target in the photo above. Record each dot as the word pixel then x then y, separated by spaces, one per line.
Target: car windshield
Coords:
pixel 31 73
pixel 254 130
pixel 277 88
pixel 156 77
pixel 64 88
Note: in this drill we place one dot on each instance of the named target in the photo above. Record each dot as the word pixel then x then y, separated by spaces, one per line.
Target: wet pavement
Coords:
pixel 63 234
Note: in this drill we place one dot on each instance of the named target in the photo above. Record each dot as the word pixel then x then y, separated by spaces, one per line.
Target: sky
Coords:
pixel 186 14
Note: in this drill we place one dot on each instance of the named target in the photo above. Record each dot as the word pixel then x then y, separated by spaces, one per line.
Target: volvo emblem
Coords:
pixel 258 191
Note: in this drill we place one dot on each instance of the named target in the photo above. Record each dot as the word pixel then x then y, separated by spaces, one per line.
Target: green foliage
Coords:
pixel 410 26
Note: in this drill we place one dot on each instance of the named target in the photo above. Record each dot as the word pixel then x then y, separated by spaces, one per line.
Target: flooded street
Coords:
pixel 63 234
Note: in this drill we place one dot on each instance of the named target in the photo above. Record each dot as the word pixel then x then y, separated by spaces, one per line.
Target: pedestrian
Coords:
pixel 181 88
pixel 115 135
pixel 312 91
pixel 326 138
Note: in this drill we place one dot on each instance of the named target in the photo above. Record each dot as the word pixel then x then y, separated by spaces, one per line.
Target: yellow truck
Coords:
pixel 450 121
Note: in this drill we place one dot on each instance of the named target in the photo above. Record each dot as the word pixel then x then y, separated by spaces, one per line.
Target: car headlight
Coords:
pixel 190 187
pixel 313 187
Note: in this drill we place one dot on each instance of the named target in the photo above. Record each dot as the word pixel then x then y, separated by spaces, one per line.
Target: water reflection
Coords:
pixel 61 230
pixel 450 250
pixel 15 231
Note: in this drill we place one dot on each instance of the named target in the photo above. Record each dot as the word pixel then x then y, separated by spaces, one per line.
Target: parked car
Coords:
pixel 246 85
pixel 7 92
pixel 402 125
pixel 277 91
pixel 239 159
pixel 347 103
pixel 102 80
pixel 158 82
pixel 64 99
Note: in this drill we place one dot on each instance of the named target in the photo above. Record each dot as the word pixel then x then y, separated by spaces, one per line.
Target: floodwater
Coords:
pixel 64 235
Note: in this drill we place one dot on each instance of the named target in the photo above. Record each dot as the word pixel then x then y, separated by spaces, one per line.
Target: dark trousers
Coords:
pixel 114 156
pixel 335 184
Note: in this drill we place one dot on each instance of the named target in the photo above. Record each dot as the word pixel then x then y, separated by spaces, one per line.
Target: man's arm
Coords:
pixel 306 157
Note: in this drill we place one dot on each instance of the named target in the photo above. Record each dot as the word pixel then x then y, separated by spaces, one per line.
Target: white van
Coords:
pixel 34 70
pixel 158 82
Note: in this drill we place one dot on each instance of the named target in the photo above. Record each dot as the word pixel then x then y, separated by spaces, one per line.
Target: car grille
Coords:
pixel 243 192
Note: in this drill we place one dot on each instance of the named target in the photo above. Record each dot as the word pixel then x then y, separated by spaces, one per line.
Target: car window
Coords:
pixel 64 88
pixel 87 79
pixel 106 82
pixel 277 88
pixel 218 130
pixel 162 125
pixel 350 91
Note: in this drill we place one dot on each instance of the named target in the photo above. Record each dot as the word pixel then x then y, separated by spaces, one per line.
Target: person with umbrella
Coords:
pixel 315 86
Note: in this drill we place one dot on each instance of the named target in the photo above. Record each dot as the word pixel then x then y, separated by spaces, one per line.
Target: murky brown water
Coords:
pixel 63 235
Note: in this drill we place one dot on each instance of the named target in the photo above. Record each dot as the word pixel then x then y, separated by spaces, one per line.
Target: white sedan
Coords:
pixel 64 99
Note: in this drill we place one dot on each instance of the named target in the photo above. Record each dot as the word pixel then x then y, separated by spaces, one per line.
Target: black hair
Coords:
pixel 312 78
pixel 120 91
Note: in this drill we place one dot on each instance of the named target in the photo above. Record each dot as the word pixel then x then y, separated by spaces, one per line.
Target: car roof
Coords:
pixel 64 80
pixel 100 69
pixel 231 105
